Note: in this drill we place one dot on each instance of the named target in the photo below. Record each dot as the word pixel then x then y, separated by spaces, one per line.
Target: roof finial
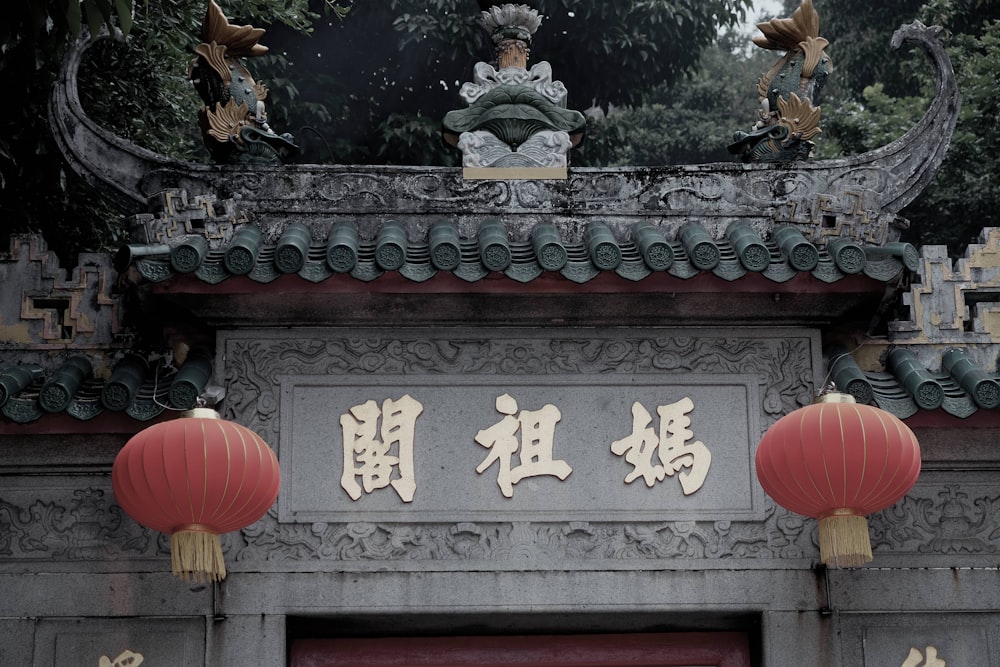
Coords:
pixel 511 27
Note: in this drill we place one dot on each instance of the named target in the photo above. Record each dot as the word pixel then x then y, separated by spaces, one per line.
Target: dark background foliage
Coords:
pixel 879 95
pixel 662 81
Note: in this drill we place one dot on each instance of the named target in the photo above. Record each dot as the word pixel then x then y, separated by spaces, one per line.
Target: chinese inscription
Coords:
pixel 368 449
pixel 918 659
pixel 378 446
pixel 126 659
pixel 671 446
pixel 537 429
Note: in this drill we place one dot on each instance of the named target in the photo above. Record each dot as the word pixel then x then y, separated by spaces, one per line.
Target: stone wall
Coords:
pixel 82 580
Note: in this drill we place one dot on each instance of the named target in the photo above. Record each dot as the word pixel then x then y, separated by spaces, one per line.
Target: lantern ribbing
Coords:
pixel 194 478
pixel 838 461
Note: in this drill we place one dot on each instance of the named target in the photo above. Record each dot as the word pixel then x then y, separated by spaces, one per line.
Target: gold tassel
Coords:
pixel 198 553
pixel 843 539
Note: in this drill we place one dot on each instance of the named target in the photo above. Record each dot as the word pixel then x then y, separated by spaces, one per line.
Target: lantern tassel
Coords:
pixel 843 539
pixel 197 553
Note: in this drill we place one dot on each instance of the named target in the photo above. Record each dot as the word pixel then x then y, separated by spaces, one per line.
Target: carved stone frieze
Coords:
pixel 941 519
pixel 253 362
pixel 780 536
pixel 63 523
pixel 933 521
pixel 819 204
pixel 937 519
pixel 87 525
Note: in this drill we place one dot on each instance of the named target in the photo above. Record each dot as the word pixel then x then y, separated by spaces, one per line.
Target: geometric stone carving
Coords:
pixel 955 303
pixel 175 217
pixel 42 309
pixel 850 212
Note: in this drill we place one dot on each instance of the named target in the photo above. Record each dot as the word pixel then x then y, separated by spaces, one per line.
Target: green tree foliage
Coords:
pixel 859 32
pixel 368 86
pixel 689 121
pixel 135 85
pixel 30 21
pixel 374 87
pixel 965 195
pixel 35 191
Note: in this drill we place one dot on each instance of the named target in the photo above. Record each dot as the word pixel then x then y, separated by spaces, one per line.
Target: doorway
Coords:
pixel 675 649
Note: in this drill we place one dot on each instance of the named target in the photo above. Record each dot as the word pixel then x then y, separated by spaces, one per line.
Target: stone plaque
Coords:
pixel 91 642
pixel 466 386
pixel 456 447
pixel 922 641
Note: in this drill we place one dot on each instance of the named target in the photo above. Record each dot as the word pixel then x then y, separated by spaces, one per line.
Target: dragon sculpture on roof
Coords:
pixel 234 118
pixel 788 117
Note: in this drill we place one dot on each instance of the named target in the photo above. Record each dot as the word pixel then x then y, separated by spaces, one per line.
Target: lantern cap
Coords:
pixel 834 397
pixel 201 413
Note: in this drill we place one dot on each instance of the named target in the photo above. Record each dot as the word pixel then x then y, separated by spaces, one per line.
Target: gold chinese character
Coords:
pixel 126 659
pixel 915 657
pixel 367 448
pixel 537 434
pixel 672 448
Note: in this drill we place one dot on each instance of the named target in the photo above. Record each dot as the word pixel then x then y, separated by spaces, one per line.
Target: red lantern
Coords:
pixel 194 478
pixel 838 461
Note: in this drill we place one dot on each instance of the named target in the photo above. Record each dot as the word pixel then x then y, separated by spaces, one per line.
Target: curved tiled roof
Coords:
pixel 144 391
pixel 139 389
pixel 693 252
pixel 961 388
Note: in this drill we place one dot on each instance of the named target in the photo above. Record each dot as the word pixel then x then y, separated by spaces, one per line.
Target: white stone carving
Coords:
pixel 485 78
pixel 510 15
pixel 547 148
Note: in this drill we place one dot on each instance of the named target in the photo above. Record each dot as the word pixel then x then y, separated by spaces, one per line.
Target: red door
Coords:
pixel 689 649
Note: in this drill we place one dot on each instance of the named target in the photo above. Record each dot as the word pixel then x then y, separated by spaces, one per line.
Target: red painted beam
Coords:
pixel 706 649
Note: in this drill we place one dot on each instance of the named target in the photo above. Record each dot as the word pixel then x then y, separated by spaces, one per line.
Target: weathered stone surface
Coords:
pixel 86 579
pixel 858 197
pixel 915 640
pixel 75 642
pixel 45 310
pixel 17 648
pixel 955 303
